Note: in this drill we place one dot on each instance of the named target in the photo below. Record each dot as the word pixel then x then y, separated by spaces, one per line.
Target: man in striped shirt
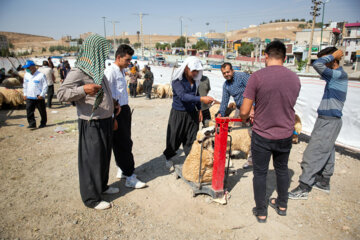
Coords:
pixel 319 156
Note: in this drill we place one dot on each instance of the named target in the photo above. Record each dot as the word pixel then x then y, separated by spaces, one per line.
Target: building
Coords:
pixel 351 41
pixel 3 42
pixel 85 35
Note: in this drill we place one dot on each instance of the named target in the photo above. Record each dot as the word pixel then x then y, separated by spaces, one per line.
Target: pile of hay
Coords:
pixel 12 97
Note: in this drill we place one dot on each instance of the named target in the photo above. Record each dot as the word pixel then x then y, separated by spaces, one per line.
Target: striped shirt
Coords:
pixel 335 91
pixel 234 88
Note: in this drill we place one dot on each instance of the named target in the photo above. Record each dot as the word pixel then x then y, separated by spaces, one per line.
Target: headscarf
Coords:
pixel 193 63
pixel 91 60
pixel 133 70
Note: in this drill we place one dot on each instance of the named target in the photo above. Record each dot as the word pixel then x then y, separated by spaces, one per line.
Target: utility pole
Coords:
pixel 181 19
pixel 104 27
pixel 322 22
pixel 314 13
pixel 113 23
pixel 141 32
pixel 226 29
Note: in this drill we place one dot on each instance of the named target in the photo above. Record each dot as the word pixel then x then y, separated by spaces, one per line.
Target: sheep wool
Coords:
pixel 12 96
pixel 1 99
pixel 11 82
pixel 191 165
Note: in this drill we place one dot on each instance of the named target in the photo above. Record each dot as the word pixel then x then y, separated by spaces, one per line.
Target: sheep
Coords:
pixel 168 90
pixel 298 128
pixel 160 91
pixel 11 82
pixel 140 87
pixel 190 170
pixel 1 99
pixel 12 97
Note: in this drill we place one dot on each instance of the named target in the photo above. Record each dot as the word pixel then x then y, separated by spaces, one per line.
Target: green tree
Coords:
pixel 218 52
pixel 126 41
pixel 43 49
pixel 246 49
pixel 11 46
pixel 137 45
pixel 201 45
pixel 180 42
pixel 302 26
pixel 52 49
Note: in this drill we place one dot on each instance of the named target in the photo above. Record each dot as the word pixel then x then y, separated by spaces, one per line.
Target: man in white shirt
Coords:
pixel 50 77
pixel 35 88
pixel 122 143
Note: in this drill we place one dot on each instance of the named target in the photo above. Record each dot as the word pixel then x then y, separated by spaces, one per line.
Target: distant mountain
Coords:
pixel 22 37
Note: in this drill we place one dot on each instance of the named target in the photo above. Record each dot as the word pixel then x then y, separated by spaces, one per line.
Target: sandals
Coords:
pixel 276 207
pixel 257 216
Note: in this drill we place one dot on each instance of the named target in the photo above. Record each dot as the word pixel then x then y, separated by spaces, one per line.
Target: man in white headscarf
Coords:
pixel 186 112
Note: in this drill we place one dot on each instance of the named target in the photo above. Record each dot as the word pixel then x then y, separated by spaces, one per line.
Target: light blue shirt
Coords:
pixel 117 83
pixel 35 85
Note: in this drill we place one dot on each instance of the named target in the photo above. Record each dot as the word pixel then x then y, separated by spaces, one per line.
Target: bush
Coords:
pixel 300 64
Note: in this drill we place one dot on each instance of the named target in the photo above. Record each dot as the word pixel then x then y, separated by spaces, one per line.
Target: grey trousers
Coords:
pixel 319 155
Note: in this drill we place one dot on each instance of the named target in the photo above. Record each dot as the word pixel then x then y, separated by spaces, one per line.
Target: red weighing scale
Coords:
pixel 216 189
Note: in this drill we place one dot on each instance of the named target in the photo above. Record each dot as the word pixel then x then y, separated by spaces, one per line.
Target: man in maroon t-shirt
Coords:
pixel 274 90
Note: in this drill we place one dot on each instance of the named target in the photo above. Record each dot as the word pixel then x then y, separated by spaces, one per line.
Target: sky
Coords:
pixel 56 18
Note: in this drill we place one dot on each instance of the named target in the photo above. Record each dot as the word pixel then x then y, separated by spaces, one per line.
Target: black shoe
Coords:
pixel 257 216
pixel 322 186
pixel 276 207
pixel 299 193
pixel 42 125
pixel 31 126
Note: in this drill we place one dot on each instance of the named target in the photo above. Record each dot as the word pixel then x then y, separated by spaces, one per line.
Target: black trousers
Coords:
pixel 262 149
pixel 133 87
pixel 122 143
pixel 31 104
pixel 50 95
pixel 95 140
pixel 148 87
pixel 182 129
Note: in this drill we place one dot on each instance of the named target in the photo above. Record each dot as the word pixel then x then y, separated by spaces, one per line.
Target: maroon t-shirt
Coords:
pixel 274 90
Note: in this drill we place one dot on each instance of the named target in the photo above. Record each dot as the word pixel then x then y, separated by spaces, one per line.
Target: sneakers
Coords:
pixel 322 186
pixel 103 205
pixel 299 193
pixel 247 165
pixel 111 190
pixel 42 125
pixel 120 174
pixel 133 182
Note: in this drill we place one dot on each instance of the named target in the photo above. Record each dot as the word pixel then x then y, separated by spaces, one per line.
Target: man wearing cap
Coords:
pixel 50 77
pixel 35 87
pixel 186 112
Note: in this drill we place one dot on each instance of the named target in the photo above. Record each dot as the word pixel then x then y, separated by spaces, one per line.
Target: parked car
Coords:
pixel 230 56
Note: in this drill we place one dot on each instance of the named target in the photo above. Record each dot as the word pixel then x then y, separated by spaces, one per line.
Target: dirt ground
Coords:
pixel 40 198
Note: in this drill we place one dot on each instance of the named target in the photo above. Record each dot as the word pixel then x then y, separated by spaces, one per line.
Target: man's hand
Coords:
pixel 117 109
pixel 338 54
pixel 91 89
pixel 40 97
pixel 219 115
pixel 252 112
pixel 200 116
pixel 206 99
pixel 25 98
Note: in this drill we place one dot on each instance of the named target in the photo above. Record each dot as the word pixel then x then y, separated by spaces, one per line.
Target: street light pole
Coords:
pixel 104 27
pixel 322 22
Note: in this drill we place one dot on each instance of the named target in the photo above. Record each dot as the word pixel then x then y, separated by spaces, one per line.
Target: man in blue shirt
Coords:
pixel 234 86
pixel 186 112
pixel 319 156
